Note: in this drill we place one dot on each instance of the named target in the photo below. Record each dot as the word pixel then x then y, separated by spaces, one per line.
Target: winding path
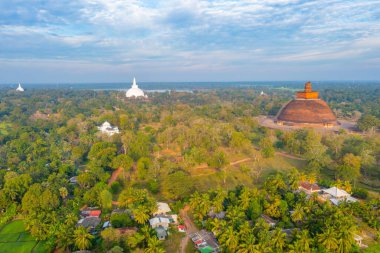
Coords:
pixel 115 175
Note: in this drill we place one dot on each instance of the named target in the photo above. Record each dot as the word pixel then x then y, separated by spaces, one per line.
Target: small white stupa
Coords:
pixel 19 88
pixel 106 128
pixel 135 91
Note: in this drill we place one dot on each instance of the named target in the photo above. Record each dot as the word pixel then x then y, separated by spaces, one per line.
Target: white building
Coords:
pixel 106 128
pixel 19 88
pixel 135 91
pixel 337 195
pixel 162 208
pixel 159 222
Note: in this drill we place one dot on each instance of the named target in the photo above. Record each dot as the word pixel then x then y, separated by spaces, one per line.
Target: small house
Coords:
pixel 89 222
pixel 308 188
pixel 162 208
pixel 336 195
pixel 161 233
pixel 182 228
pixel 268 220
pixel 159 222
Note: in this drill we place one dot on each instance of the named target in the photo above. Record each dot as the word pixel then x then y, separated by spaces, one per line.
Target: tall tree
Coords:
pixel 82 238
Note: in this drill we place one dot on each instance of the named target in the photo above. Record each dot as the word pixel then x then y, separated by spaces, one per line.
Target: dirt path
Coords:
pixel 190 228
pixel 290 156
pixel 115 175
pixel 240 161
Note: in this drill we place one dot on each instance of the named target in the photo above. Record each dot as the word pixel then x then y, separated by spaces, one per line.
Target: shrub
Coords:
pixel 115 187
pixel 153 186
pixel 360 193
pixel 119 220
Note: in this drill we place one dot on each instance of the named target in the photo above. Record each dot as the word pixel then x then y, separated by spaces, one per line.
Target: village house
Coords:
pixel 162 208
pixel 336 195
pixel 182 228
pixel 161 233
pixel 159 222
pixel 269 220
pixel 308 188
pixel 89 222
pixel 205 241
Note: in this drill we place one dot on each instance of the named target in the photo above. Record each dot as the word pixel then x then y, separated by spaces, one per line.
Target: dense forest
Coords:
pixel 201 149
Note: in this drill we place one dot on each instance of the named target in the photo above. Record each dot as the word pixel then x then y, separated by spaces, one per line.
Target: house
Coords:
pixel 205 240
pixel 336 195
pixel 308 188
pixel 161 233
pixel 269 220
pixel 89 212
pixel 89 222
pixel 219 215
pixel 162 208
pixel 182 228
pixel 73 180
pixel 107 129
pixel 159 222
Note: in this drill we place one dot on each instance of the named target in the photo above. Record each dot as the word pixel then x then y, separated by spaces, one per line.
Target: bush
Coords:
pixel 120 220
pixel 153 186
pixel 325 183
pixel 115 187
pixel 360 193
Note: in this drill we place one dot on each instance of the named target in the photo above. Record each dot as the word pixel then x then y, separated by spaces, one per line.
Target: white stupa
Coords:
pixel 19 88
pixel 135 91
pixel 106 128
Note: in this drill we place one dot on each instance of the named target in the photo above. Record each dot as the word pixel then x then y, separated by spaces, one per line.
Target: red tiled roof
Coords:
pixel 310 187
pixel 95 213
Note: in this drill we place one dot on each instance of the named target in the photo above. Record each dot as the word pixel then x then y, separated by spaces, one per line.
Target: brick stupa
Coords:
pixel 307 109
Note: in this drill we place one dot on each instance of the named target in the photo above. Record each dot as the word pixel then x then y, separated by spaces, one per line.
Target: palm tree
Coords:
pixel 298 214
pixel 140 215
pixel 328 239
pixel 278 239
pixel 82 238
pixel 245 198
pixel 293 179
pixel 154 246
pixel 229 239
pixel 346 238
pixel 248 245
pixel 304 241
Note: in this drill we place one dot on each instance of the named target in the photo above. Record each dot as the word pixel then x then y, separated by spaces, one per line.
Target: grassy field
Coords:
pixel 14 238
pixel 233 175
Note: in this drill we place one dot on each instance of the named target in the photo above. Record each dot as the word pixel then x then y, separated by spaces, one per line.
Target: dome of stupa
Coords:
pixel 306 109
pixel 134 91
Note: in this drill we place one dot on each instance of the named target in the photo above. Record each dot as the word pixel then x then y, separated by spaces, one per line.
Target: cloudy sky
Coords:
pixel 188 40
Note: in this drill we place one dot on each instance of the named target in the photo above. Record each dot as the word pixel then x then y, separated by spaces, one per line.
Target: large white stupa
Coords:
pixel 135 91
pixel 19 88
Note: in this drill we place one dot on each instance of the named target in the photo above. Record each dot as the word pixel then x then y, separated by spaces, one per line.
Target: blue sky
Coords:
pixel 190 40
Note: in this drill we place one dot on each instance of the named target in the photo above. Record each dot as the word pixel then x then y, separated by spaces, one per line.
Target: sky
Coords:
pixel 50 41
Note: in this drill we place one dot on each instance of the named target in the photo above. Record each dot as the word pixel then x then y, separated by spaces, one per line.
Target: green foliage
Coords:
pixel 360 193
pixel 267 149
pixel 368 123
pixel 153 186
pixel 177 185
pixel 120 220
pixel 115 187
pixel 105 199
pixel 102 154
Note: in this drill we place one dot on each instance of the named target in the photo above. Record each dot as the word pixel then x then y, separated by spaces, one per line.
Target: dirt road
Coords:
pixel 190 228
